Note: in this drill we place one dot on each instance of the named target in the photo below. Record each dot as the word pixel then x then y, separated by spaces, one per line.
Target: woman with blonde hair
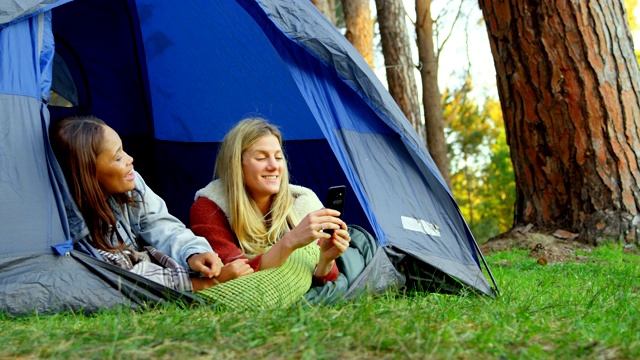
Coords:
pixel 251 211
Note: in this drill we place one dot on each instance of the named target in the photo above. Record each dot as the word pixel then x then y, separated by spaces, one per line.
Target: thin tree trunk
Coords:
pixel 568 85
pixel 431 97
pixel 468 176
pixel 327 8
pixel 357 18
pixel 398 62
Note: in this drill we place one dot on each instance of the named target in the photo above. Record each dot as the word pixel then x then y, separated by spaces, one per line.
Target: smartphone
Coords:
pixel 335 200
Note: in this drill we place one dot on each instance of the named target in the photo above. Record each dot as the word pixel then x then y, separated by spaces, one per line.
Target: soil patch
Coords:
pixel 546 248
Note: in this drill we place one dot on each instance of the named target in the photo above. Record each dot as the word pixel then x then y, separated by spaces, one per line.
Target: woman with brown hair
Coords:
pixel 122 214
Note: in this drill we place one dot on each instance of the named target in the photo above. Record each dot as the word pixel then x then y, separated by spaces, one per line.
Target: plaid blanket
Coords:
pixel 153 265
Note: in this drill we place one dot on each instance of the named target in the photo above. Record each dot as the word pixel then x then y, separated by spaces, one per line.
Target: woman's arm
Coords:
pixel 332 275
pixel 163 230
pixel 278 253
pixel 209 221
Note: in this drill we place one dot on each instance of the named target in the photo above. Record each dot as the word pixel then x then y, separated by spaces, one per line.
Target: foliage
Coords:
pixel 482 174
pixel 499 190
pixel 630 6
pixel 574 310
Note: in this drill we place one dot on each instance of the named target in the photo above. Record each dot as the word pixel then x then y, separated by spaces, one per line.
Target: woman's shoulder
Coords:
pixel 298 190
pixel 204 211
pixel 306 200
pixel 214 192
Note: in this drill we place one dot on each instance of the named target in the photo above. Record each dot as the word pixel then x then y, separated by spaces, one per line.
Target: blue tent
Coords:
pixel 172 79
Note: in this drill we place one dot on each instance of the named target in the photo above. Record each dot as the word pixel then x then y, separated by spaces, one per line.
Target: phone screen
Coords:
pixel 335 200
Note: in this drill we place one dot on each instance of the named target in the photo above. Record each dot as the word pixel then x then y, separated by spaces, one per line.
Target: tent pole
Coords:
pixel 484 262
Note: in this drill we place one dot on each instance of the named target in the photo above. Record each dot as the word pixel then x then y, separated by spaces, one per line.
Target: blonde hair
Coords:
pixel 255 231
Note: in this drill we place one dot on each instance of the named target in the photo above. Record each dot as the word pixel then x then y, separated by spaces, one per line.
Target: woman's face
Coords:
pixel 262 166
pixel 114 167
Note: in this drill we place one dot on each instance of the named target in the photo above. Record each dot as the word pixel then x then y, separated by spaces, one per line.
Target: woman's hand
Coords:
pixel 234 270
pixel 307 231
pixel 208 264
pixel 331 249
pixel 230 271
pixel 312 227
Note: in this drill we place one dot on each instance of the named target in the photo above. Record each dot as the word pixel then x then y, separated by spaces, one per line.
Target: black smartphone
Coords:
pixel 335 200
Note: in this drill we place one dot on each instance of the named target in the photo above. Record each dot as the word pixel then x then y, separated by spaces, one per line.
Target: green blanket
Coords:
pixel 267 289
pixel 364 267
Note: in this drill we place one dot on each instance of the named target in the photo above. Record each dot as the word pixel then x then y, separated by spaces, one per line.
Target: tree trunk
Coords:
pixel 357 18
pixel 327 8
pixel 568 85
pixel 397 60
pixel 431 97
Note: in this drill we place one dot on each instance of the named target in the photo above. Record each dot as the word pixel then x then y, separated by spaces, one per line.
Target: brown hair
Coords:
pixel 76 143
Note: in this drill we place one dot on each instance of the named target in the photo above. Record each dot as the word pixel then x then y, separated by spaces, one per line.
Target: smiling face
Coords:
pixel 262 166
pixel 114 167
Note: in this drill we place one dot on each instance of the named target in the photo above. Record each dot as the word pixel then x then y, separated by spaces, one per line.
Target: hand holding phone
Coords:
pixel 335 200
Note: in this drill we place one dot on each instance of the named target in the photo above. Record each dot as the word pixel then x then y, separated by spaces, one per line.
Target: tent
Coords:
pixel 172 79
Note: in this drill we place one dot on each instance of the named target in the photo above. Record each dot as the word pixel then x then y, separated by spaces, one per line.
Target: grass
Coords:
pixel 587 309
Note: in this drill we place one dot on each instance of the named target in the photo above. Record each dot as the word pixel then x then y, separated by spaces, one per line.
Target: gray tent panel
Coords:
pixel 424 228
pixel 470 275
pixel 30 219
pixel 76 282
pixel 13 11
pixel 51 284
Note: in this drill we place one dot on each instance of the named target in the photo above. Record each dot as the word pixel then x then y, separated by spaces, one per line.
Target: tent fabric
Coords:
pixel 32 215
pixel 14 11
pixel 29 207
pixel 348 65
pixel 137 289
pixel 172 79
pixel 365 267
pixel 26 70
pixel 35 284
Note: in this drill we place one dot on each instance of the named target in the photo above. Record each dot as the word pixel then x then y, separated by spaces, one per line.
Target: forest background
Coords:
pixel 479 168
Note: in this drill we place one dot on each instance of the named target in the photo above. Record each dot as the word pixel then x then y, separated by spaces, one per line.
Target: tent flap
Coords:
pixel 41 284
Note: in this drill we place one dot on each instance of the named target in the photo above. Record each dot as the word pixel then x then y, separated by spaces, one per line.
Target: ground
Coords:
pixel 546 248
pixel 552 247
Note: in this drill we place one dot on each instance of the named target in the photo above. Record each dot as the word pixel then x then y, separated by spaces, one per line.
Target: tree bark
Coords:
pixel 431 97
pixel 568 85
pixel 327 8
pixel 397 60
pixel 357 18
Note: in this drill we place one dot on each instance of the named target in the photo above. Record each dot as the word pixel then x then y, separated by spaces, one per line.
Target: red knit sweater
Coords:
pixel 209 221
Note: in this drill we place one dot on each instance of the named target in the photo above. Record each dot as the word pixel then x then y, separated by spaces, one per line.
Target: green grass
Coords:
pixel 587 309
